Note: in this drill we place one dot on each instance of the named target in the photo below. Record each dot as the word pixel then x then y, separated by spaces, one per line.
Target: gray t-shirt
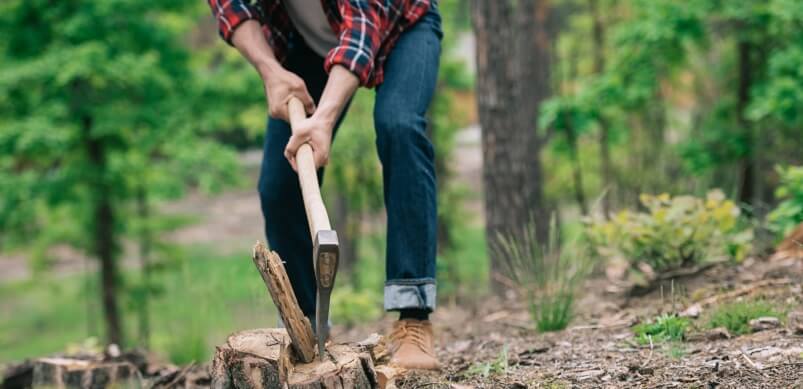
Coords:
pixel 310 21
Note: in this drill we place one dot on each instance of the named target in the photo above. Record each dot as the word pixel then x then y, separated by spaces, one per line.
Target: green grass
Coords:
pixel 205 298
pixel 736 316
pixel 665 328
pixel 498 366
pixel 552 312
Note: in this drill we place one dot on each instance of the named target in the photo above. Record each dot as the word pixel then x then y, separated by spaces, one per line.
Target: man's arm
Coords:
pixel 279 83
pixel 317 129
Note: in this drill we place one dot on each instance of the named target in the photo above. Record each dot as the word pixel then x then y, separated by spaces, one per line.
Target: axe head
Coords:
pixel 326 255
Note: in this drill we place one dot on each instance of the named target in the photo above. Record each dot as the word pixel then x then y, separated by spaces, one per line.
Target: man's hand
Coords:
pixel 279 83
pixel 315 130
pixel 280 86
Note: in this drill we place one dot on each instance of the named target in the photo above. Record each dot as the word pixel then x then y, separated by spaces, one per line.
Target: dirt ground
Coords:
pixel 598 349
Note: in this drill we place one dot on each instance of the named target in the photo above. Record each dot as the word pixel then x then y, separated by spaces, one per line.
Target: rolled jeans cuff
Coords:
pixel 418 293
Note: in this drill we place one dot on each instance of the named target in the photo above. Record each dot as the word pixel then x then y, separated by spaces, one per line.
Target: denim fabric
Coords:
pixel 408 170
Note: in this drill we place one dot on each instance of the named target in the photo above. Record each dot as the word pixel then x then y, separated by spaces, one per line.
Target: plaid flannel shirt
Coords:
pixel 366 29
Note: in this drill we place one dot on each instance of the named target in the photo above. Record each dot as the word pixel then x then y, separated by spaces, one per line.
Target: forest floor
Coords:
pixel 493 345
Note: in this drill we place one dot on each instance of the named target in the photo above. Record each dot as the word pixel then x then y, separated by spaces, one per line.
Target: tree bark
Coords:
pixel 598 52
pixel 746 184
pixel 513 68
pixel 104 245
pixel 577 172
pixel 145 244
pixel 76 373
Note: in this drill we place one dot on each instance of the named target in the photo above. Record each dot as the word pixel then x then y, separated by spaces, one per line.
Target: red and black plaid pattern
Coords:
pixel 367 29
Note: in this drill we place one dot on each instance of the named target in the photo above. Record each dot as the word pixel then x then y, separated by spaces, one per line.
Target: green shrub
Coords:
pixel 789 213
pixel 673 232
pixel 665 328
pixel 736 316
pixel 350 306
pixel 547 273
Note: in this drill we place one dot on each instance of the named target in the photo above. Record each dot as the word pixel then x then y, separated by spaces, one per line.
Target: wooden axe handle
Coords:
pixel 307 175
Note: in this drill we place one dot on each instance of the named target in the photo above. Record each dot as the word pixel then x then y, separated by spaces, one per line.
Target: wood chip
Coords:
pixel 764 323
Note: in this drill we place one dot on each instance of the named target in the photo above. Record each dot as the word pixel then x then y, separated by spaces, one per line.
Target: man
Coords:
pixel 321 51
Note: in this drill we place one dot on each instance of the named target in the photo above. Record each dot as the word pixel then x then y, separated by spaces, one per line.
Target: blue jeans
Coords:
pixel 408 171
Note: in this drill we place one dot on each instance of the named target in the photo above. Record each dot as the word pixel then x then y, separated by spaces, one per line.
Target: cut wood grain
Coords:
pixel 299 329
pixel 260 358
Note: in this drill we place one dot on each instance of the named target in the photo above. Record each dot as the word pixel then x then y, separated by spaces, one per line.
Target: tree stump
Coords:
pixel 261 358
pixel 77 373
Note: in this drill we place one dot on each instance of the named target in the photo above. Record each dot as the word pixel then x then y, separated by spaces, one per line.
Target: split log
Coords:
pixel 261 358
pixel 298 327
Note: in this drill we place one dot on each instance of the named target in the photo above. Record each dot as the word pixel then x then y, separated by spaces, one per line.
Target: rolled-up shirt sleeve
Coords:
pixel 229 14
pixel 360 38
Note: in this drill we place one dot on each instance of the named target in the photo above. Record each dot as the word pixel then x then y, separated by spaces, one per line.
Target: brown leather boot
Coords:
pixel 412 345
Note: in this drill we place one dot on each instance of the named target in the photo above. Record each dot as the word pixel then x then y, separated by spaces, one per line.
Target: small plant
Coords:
pixel 675 351
pixel 665 328
pixel 789 213
pixel 736 316
pixel 674 232
pixel 495 367
pixel 546 273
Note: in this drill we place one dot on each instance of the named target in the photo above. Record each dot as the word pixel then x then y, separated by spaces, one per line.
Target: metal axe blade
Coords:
pixel 326 255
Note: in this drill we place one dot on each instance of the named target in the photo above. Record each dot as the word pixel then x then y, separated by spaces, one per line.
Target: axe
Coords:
pixel 325 249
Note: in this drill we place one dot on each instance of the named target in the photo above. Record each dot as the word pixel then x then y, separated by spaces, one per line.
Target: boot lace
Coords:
pixel 412 332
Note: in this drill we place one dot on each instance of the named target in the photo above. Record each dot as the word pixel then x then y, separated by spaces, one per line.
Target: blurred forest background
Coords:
pixel 658 133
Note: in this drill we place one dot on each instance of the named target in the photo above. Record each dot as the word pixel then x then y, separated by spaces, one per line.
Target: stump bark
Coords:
pixel 261 358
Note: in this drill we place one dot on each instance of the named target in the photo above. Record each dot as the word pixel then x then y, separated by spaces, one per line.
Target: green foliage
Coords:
pixel 350 307
pixel 99 114
pixel 664 328
pixel 54 311
pixel 673 232
pixel 789 213
pixel 548 274
pixel 498 366
pixel 736 316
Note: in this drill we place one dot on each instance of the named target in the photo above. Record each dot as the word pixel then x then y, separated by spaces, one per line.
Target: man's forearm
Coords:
pixel 250 42
pixel 340 86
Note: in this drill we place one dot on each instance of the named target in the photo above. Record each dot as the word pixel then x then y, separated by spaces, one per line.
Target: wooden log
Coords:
pixel 298 327
pixel 260 358
pixel 78 373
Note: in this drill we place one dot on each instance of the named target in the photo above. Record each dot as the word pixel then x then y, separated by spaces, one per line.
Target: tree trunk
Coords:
pixel 598 52
pixel 513 67
pixel 746 184
pixel 145 244
pixel 104 245
pixel 577 172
